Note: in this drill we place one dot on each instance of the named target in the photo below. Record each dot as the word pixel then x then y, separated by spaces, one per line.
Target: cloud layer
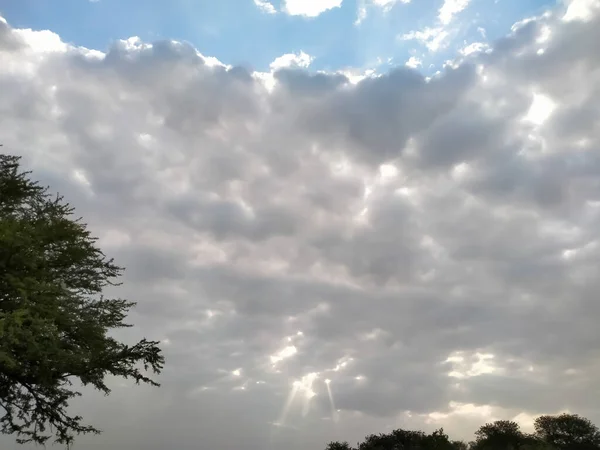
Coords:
pixel 430 246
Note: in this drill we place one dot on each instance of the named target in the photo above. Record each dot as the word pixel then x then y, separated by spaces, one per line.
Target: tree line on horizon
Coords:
pixel 552 432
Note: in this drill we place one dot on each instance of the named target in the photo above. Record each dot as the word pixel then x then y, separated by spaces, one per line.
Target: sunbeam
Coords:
pixel 334 414
pixel 288 404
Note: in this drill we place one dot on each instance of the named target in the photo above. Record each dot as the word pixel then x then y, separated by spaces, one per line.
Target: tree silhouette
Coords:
pixel 403 440
pixel 568 432
pixel 54 321
pixel 338 446
pixel 501 435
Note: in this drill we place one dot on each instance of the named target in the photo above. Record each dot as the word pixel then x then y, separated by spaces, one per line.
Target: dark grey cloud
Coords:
pixel 427 245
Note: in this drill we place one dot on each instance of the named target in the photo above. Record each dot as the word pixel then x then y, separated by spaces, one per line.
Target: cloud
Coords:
pixel 437 37
pixel 300 60
pixel 265 6
pixel 581 10
pixel 309 8
pixel 473 47
pixel 450 8
pixel 429 246
pixel 388 4
pixel 414 62
pixel 433 38
pixel 383 5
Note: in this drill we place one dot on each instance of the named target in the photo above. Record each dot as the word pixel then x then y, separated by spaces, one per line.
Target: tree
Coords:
pixel 459 445
pixel 538 445
pixel 564 432
pixel 54 320
pixel 568 431
pixel 403 440
pixel 501 435
pixel 338 446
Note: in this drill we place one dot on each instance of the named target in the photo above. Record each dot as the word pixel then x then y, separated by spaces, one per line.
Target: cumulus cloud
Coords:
pixel 265 6
pixel 421 243
pixel 414 62
pixel 300 59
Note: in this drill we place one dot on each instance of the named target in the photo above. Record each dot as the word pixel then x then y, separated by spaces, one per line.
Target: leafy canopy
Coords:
pixel 54 321
pixel 501 435
pixel 562 432
pixel 403 440
pixel 568 432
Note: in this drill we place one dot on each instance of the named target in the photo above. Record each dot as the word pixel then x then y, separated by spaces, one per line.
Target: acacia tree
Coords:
pixel 54 320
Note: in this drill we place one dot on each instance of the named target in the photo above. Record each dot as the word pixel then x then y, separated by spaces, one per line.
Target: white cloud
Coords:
pixel 414 62
pixel 437 37
pixel 450 8
pixel 300 59
pixel 310 8
pixel 265 6
pixel 473 47
pixel 432 38
pixel 581 9
pixel 42 41
pixel 245 214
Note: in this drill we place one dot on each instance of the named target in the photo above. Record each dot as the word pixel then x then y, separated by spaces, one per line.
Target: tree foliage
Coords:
pixel 54 320
pixel 403 440
pixel 568 431
pixel 563 432
pixel 501 435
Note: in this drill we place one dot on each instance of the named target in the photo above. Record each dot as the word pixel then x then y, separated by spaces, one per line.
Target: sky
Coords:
pixel 338 217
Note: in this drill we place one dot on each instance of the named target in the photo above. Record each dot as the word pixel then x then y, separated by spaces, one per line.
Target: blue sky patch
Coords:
pixel 338 34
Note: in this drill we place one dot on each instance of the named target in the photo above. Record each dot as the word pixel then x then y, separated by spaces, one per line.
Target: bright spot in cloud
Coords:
pixel 343 362
pixel 460 171
pixel 541 108
pixel 237 372
pixel 462 367
pixel 544 35
pixel 80 176
pixel 287 352
pixel 387 172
